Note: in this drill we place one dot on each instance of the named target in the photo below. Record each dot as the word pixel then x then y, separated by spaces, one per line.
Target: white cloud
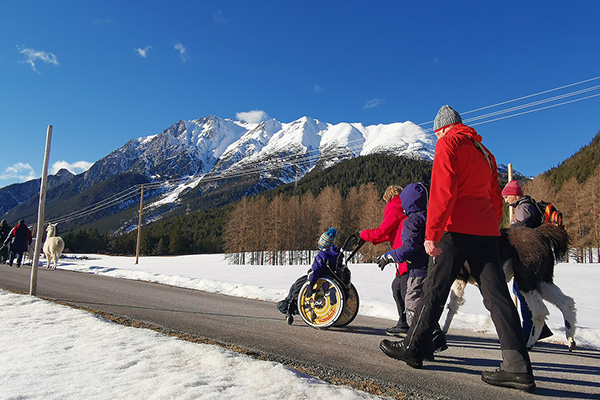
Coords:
pixel 254 116
pixel 75 168
pixel 104 21
pixel 20 171
pixel 143 52
pixel 373 103
pixel 318 88
pixel 182 51
pixel 32 56
pixel 219 18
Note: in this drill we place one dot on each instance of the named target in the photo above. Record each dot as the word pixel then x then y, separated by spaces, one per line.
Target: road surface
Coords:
pixel 348 355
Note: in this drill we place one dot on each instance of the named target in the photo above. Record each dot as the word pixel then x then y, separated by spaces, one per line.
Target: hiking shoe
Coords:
pixel 397 331
pixel 400 352
pixel 499 377
pixel 546 332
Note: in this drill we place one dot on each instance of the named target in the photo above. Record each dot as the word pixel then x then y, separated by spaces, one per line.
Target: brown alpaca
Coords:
pixel 529 255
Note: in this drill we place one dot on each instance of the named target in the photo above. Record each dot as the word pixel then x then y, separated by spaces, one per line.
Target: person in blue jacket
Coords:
pixel 414 202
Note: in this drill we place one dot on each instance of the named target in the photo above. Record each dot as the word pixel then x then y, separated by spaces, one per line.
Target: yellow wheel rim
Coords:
pixel 324 306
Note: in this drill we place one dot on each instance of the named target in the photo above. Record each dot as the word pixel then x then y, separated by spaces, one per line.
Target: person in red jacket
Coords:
pixel 463 224
pixel 390 230
pixel 19 239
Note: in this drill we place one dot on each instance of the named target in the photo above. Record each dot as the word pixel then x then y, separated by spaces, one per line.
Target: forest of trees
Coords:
pixel 284 230
pixel 580 205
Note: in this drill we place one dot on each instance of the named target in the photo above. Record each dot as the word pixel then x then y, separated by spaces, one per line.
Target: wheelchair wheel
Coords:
pixel 350 307
pixel 325 306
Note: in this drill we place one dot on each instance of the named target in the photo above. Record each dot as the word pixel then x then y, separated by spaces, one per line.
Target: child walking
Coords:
pixel 414 202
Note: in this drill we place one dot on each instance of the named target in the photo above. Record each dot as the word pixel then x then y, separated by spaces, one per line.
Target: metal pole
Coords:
pixel 139 232
pixel 40 223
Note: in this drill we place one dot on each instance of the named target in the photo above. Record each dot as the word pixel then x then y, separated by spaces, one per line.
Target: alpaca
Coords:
pixel 53 246
pixel 529 255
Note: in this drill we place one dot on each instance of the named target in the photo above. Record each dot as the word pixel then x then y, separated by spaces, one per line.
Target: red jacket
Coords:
pixel 465 195
pixel 390 229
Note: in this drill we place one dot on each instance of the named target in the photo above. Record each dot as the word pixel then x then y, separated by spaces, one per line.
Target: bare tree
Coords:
pixel 330 209
pixel 308 224
pixel 572 205
pixel 371 216
pixel 353 205
pixel 540 189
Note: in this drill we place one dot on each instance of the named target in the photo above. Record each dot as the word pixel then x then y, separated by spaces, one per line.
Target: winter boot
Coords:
pixel 400 352
pixel 522 381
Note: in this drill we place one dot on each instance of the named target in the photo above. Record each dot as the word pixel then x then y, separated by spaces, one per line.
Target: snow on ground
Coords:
pixel 55 352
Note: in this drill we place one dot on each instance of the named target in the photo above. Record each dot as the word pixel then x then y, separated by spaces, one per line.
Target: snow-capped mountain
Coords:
pixel 214 145
pixel 202 153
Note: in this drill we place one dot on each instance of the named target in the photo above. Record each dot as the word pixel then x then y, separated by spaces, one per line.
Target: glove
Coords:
pixel 360 241
pixel 353 241
pixel 384 260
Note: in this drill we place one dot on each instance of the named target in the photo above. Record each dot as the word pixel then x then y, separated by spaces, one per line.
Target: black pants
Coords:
pixel 399 293
pixel 481 252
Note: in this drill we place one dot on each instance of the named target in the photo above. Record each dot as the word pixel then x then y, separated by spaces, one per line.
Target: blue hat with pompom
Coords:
pixel 326 240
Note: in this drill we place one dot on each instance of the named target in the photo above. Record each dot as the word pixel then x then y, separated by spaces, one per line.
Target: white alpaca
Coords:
pixel 546 291
pixel 53 246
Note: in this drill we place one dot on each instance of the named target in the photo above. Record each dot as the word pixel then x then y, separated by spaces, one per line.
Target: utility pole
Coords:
pixel 40 223
pixel 510 218
pixel 139 232
pixel 510 208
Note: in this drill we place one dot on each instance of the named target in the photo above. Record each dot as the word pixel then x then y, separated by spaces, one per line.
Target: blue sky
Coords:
pixel 103 72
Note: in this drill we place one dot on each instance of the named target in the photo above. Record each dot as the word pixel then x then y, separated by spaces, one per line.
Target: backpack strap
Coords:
pixel 483 150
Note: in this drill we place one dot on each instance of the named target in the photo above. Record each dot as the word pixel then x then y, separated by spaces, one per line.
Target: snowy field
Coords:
pixel 55 352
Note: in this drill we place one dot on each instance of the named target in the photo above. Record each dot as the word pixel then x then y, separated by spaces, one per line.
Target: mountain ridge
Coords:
pixel 262 155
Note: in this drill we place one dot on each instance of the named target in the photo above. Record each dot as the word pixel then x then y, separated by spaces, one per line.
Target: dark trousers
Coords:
pixel 399 293
pixel 481 252
pixel 12 256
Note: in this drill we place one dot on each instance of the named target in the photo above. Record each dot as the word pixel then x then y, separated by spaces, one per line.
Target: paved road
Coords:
pixel 347 354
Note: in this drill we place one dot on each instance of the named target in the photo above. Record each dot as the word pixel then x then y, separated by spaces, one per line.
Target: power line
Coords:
pixel 522 98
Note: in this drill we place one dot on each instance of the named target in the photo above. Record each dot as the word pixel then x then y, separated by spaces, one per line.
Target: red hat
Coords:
pixel 512 188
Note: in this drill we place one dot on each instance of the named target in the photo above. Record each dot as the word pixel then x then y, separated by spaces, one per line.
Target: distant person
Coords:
pixel 19 239
pixel 390 230
pixel 4 232
pixel 463 224
pixel 525 213
pixel 412 251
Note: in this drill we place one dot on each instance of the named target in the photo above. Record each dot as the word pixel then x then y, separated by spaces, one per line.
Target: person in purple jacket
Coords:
pixel 414 202
pixel 328 254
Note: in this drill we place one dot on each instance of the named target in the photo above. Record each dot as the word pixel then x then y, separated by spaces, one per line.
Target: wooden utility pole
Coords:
pixel 510 218
pixel 139 232
pixel 510 208
pixel 40 222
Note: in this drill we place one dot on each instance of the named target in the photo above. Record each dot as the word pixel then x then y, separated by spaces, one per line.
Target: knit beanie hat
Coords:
pixel 446 116
pixel 512 188
pixel 326 240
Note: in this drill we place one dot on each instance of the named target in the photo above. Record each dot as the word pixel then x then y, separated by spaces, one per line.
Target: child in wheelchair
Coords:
pixel 325 261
